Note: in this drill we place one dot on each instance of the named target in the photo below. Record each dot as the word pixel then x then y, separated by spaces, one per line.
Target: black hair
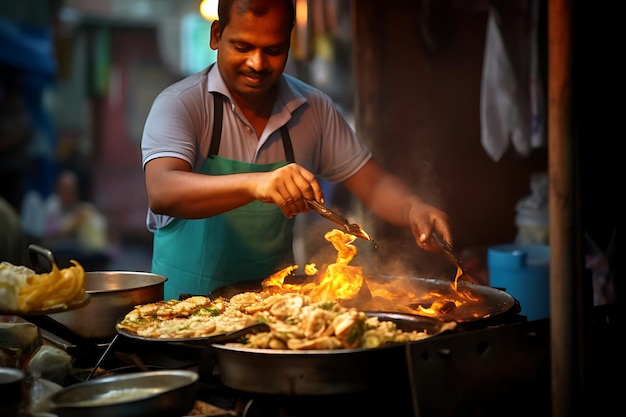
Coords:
pixel 257 7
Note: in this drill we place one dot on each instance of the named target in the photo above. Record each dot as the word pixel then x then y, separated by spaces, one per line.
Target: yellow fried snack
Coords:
pixel 54 289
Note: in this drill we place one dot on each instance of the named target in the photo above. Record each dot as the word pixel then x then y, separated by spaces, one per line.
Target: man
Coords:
pixel 231 155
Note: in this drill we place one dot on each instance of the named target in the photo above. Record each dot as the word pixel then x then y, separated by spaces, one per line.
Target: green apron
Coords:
pixel 249 242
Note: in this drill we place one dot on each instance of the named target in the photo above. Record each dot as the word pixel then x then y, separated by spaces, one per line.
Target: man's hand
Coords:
pixel 289 187
pixel 426 219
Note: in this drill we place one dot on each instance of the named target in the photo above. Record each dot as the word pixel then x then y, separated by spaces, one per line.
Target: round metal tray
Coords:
pixel 50 310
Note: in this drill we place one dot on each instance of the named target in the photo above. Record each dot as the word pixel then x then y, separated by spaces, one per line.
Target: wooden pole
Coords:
pixel 565 226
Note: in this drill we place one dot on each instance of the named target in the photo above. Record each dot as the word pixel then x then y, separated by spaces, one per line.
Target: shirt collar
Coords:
pixel 287 98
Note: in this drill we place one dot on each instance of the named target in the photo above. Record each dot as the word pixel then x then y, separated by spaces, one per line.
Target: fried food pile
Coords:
pixel 296 323
pixel 22 290
pixel 194 317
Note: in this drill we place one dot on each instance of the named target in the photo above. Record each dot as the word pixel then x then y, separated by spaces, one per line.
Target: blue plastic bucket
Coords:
pixel 523 271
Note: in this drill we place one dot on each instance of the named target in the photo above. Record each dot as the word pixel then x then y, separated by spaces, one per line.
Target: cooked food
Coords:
pixel 193 317
pixel 295 322
pixel 22 290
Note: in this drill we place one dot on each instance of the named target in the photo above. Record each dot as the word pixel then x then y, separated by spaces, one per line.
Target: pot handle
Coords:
pixel 36 253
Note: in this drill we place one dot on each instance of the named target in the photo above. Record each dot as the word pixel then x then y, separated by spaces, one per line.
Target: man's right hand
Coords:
pixel 289 187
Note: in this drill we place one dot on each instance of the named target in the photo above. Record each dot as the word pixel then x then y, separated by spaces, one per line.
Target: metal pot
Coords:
pixel 112 295
pixel 265 371
pixel 294 373
pixel 167 393
pixel 321 372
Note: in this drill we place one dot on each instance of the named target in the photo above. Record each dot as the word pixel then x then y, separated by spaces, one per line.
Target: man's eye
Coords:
pixel 274 51
pixel 242 48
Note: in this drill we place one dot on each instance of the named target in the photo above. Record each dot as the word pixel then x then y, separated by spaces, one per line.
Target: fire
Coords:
pixel 340 281
pixel 346 283
pixel 459 272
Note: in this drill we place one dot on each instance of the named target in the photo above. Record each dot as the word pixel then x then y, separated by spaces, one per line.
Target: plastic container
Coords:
pixel 523 271
pixel 533 218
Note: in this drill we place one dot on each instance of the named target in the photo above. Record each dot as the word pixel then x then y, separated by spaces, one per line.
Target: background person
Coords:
pixel 74 228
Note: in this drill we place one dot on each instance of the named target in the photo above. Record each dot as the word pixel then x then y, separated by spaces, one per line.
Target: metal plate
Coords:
pixel 406 322
pixel 53 309
pixel 216 338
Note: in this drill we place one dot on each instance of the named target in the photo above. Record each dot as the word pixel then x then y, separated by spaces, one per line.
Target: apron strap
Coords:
pixel 284 132
pixel 216 136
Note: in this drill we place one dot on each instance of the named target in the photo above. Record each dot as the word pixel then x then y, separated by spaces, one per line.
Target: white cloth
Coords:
pixel 537 101
pixel 511 111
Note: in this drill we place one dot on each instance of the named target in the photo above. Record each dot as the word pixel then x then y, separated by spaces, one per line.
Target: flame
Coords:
pixel 459 272
pixel 340 280
pixel 346 283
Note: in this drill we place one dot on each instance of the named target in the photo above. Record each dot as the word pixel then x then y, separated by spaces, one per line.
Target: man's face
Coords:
pixel 252 51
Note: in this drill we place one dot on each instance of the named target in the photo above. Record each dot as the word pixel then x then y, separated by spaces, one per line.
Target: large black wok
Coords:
pixel 290 373
pixel 488 304
pixel 321 372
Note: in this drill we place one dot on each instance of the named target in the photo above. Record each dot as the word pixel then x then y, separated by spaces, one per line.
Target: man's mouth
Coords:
pixel 254 77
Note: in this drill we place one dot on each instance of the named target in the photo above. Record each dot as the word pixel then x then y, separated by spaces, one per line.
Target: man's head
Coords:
pixel 252 38
pixel 67 188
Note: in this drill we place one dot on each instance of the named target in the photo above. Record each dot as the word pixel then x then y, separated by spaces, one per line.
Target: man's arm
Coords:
pixel 173 189
pixel 391 200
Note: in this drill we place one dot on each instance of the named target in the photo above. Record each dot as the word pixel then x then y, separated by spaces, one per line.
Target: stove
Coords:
pixel 484 368
pixel 439 376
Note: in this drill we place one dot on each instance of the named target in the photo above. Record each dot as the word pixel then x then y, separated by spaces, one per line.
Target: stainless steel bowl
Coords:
pixel 112 295
pixel 166 393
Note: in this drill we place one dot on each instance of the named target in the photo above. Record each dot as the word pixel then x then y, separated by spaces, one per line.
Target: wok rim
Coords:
pixel 154 280
pixel 502 304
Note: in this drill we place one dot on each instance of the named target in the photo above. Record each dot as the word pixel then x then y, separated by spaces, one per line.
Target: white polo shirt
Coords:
pixel 180 125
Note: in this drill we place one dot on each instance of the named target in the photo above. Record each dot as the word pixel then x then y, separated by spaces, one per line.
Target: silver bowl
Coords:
pixel 142 394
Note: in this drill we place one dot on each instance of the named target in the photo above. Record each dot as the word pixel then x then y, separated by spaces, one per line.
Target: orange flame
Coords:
pixel 343 282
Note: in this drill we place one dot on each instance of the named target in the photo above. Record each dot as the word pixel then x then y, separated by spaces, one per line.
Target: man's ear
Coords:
pixel 216 35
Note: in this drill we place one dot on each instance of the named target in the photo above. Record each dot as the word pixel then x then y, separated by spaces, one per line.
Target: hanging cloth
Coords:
pixel 511 108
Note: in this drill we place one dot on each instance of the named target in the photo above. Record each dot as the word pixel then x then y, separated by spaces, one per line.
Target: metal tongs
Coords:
pixel 351 228
pixel 448 251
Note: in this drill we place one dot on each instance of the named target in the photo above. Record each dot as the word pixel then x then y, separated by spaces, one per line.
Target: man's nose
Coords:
pixel 256 60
